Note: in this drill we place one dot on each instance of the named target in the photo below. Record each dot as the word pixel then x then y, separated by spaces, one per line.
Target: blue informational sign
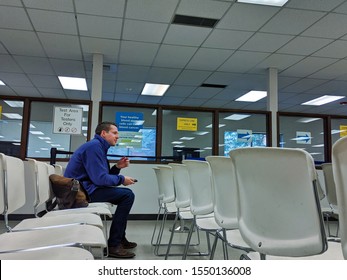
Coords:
pixel 129 121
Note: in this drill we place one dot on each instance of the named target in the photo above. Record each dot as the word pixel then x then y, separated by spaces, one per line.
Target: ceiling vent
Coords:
pixel 213 86
pixel 195 21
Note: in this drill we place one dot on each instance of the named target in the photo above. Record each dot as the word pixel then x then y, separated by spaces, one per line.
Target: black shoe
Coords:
pixel 127 244
pixel 120 253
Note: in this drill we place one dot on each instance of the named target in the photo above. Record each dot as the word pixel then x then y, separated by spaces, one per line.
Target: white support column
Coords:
pixel 96 89
pixel 272 101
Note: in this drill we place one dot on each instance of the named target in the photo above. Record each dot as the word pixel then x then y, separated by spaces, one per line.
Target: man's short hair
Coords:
pixel 104 126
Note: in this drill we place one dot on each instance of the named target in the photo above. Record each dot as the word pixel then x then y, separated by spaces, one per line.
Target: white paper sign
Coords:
pixel 67 120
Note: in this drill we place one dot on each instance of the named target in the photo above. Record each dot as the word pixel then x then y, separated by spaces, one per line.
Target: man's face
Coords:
pixel 111 136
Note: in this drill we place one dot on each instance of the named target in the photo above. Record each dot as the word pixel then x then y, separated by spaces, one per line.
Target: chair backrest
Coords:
pixel 59 169
pixel 279 211
pixel 225 191
pixel 165 182
pixel 339 161
pixel 14 183
pixel 201 193
pixel 42 183
pixel 2 184
pixel 181 184
pixel 329 183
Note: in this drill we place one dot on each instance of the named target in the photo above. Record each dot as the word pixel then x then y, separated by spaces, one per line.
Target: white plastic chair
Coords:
pixel 166 199
pixel 339 161
pixel 182 202
pixel 279 211
pixel 51 253
pixel 13 198
pixel 226 204
pixel 331 195
pixel 201 202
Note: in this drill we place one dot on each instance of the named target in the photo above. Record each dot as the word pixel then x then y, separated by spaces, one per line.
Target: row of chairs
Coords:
pixel 263 201
pixel 58 234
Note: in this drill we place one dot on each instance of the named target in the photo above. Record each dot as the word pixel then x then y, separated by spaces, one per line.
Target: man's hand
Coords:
pixel 123 162
pixel 129 181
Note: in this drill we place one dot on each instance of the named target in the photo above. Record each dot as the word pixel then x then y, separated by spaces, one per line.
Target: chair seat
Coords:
pixel 56 253
pixel 235 240
pixel 207 223
pixel 89 219
pixel 94 210
pixel 84 234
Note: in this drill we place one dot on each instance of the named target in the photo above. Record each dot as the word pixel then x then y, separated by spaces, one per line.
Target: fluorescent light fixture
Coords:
pixel 85 108
pixel 322 100
pixel 44 149
pixel 44 138
pixel 220 125
pixel 236 117
pixel 154 89
pixel 200 133
pixel 84 128
pixel 12 116
pixel 49 142
pixel 32 126
pixel 187 138
pixel 318 146
pixel 176 142
pixel 16 144
pixel 308 120
pixel 55 145
pixel 336 131
pixel 208 148
pixel 314 154
pixel 37 132
pixel 252 96
pixel 179 146
pixel 73 83
pixel 2 83
pixel 14 104
pixel 265 2
pixel 154 112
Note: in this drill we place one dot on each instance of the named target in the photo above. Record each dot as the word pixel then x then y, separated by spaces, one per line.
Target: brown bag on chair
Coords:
pixel 69 192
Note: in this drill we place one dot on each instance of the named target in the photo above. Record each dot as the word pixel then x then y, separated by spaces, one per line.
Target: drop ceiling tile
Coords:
pixel 78 95
pixel 148 52
pixel 34 65
pixel 308 66
pixel 336 49
pixel 208 59
pixel 332 71
pixel 44 81
pixel 129 88
pixel 264 42
pixel 278 61
pixel 17 3
pixel 100 27
pixel 224 95
pixel 186 35
pixel 158 75
pixel 226 39
pixel 148 99
pixel 108 8
pixel 172 101
pixel 151 10
pixel 27 91
pixel 54 22
pixel 327 27
pixel 214 103
pixel 71 68
pixel 52 93
pixel 15 80
pixel 8 64
pixel 203 8
pixel 144 31
pixel 304 45
pixel 304 85
pixel 108 85
pixel 173 56
pixel 21 42
pixel 108 47
pixel 341 9
pixel 246 17
pixel 207 93
pixel 125 98
pixel 61 5
pixel 61 46
pixel 242 61
pixel 318 5
pixel 14 18
pixel 179 91
pixel 193 102
pixel 192 78
pixel 330 87
pixel 127 73
pixel 107 96
pixel 291 21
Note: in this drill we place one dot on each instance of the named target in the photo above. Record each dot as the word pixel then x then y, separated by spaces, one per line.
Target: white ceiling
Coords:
pixel 306 40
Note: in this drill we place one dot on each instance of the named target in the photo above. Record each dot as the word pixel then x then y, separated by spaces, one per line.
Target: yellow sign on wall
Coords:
pixel 343 130
pixel 0 112
pixel 188 124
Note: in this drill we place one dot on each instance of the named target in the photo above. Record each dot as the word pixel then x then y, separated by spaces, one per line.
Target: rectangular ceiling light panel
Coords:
pixel 322 100
pixel 73 83
pixel 252 96
pixel 154 89
pixel 265 2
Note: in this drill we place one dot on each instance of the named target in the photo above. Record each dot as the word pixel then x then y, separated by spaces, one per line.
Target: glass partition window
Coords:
pixel 303 132
pixel 137 132
pixel 52 125
pixel 11 116
pixel 187 134
pixel 338 129
pixel 241 130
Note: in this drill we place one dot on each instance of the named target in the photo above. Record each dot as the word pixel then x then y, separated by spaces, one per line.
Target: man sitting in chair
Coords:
pixel 90 166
